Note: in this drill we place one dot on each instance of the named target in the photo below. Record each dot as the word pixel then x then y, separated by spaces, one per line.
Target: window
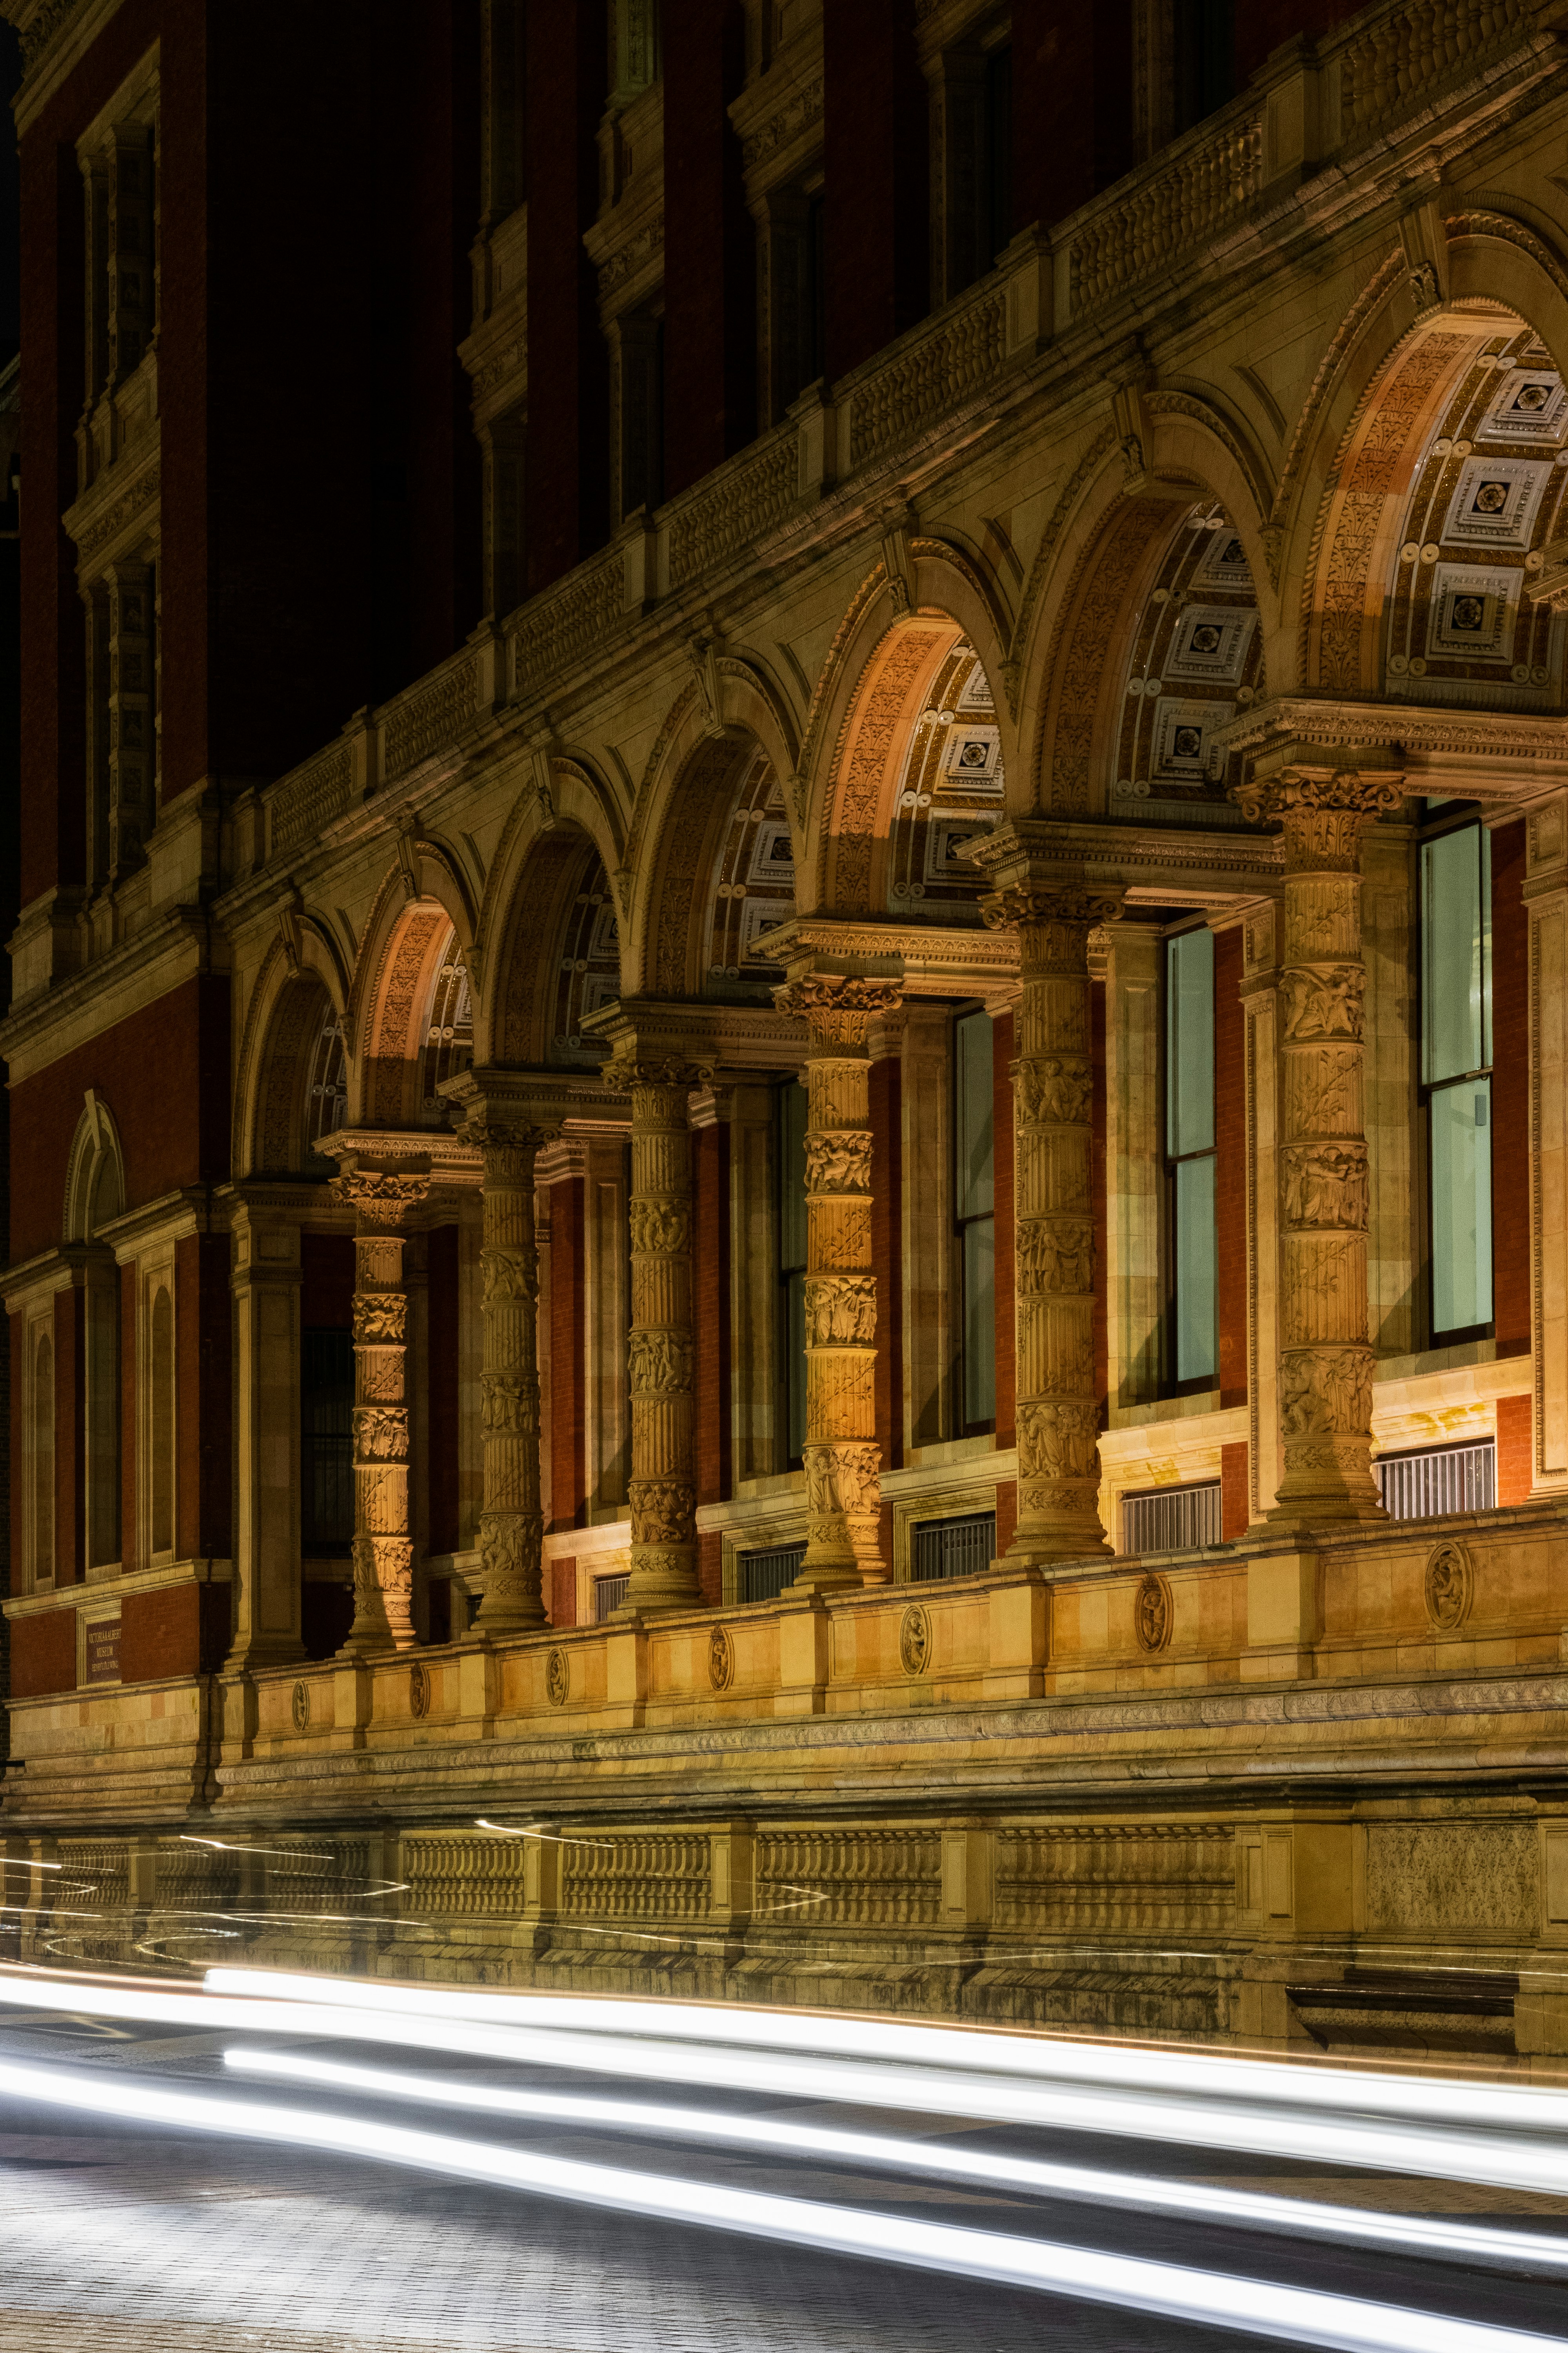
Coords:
pixel 326 1442
pixel 1439 1478
pixel 974 1209
pixel 1191 1268
pixel 43 1461
pixel 162 1421
pixel 1456 1076
pixel 609 1592
pixel 792 1110
pixel 765 1575
pixel 1172 1519
pixel 961 1548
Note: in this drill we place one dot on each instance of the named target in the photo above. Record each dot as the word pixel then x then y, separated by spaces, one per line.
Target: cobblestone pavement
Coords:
pixel 162 2242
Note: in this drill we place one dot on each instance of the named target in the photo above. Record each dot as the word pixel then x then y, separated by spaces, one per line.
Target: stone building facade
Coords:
pixel 789 1077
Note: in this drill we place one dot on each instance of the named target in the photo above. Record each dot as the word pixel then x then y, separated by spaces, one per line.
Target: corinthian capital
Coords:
pixel 838 1009
pixel 378 1197
pixel 509 1145
pixel 1322 811
pixel 1053 920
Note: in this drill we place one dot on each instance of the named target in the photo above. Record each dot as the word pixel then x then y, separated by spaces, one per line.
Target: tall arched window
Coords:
pixel 95 1198
pixel 43 1436
pixel 162 1421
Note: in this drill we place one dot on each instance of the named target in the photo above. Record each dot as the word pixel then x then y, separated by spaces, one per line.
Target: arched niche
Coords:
pixel 1193 659
pixel 560 957
pixel 95 1174
pixel 1453 483
pixel 724 847
pixel 302 1086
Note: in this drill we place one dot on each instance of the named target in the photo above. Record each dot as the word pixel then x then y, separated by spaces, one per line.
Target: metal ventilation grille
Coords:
pixel 765 1575
pixel 1441 1480
pixel 1174 1519
pixel 952 1548
pixel 609 1592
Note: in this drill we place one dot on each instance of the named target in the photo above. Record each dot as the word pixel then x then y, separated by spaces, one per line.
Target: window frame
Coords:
pixel 787 1273
pixel 1454 817
pixel 963 1223
pixel 1174 1384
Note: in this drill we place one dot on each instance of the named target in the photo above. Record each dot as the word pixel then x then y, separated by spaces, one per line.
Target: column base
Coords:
pixel 1046 1552
pixel 663 1579
pixel 519 1618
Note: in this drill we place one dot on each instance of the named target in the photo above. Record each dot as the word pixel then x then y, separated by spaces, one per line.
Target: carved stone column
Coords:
pixel 1053 1092
pixel 843 1461
pixel 1325 1353
pixel 662 1487
pixel 511 1523
pixel 382 1547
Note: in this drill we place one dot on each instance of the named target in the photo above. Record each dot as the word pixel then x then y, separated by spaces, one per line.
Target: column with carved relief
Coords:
pixel 1325 1352
pixel 1053 1093
pixel 662 1489
pixel 383 1545
pixel 843 1460
pixel 511 1523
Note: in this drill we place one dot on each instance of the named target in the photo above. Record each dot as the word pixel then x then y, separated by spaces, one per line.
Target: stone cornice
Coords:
pixel 55 36
pixel 1423 735
pixel 927 960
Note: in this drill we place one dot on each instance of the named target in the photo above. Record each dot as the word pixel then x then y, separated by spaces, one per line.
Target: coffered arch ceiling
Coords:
pixel 560 955
pixel 951 788
pixel 1194 659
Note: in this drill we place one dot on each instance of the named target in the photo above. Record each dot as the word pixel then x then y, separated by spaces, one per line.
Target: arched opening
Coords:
pixel 95 1198
pixel 951 789
pixel 302 1094
pixel 42 1419
pixel 449 1044
pixel 751 888
pixel 901 687
pixel 561 958
pixel 1195 659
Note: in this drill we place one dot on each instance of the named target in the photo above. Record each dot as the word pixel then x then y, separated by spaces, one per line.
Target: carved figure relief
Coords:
pixel 1152 1613
pixel 658 1228
pixel 661 1511
pixel 841 1311
pixel 659 1363
pixel 1059 1437
pixel 1323 1392
pixel 1449 1587
pixel 1055 1255
pixel 381 1433
pixel 843 1478
pixel 1326 1185
pixel 510 1545
pixel 721 1659
pixel 1323 1001
pixel 838 1162
pixel 511 1407
pixel 1053 1092
pixel 511 1278
pixel 299 1707
pixel 914 1641
pixel 557 1678
pixel 419 1689
pixel 381 1319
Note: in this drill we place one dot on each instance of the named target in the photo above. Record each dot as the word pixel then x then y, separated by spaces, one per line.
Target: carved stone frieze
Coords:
pixel 840 1309
pixel 838 1162
pixel 1326 1185
pixel 1322 1001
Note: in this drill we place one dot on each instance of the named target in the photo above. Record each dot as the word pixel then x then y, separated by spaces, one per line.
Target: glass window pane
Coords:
pixel 1461 1206
pixel 792 1174
pixel 975 1094
pixel 979 1322
pixel 1455 938
pixel 1196 1270
pixel 1189 1042
pixel 794 1362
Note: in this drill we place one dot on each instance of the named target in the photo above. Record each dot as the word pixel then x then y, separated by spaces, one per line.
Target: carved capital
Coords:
pixel 1323 812
pixel 377 1198
pixel 672 1074
pixel 1053 921
pixel 508 1146
pixel 838 1012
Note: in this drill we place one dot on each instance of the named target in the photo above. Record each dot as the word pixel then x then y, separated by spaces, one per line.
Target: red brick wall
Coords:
pixel 441 1384
pixel 888 1259
pixel 18 1566
pixel 876 186
pixel 1002 1167
pixel 1515 1449
pixel 568 1371
pixel 1072 105
pixel 564 1593
pixel 568 410
pixel 1230 1164
pixel 709 245
pixel 1510 1092
pixel 1234 1497
pixel 160 1633
pixel 43 1653
pixel 174 1133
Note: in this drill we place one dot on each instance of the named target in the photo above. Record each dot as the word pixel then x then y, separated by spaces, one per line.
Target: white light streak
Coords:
pixel 1211 2074
pixel 1449 2240
pixel 1514 2161
pixel 1302 2316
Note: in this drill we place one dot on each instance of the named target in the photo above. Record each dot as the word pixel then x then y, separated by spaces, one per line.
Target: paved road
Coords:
pixel 159 2242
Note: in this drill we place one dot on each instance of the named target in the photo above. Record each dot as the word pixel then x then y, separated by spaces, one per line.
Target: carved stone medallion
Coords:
pixel 914 1641
pixel 557 1678
pixel 1450 1585
pixel 300 1707
pixel 419 1689
pixel 1152 1613
pixel 721 1659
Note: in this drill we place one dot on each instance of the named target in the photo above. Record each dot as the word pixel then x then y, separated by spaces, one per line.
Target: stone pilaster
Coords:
pixel 662 1488
pixel 1053 1093
pixel 843 1461
pixel 1325 1352
pixel 265 1286
pixel 382 1544
pixel 511 1523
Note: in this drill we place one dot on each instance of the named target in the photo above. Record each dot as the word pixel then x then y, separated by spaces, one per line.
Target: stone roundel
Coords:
pixel 1450 1585
pixel 721 1659
pixel 914 1641
pixel 419 1689
pixel 1152 1613
pixel 557 1678
pixel 299 1707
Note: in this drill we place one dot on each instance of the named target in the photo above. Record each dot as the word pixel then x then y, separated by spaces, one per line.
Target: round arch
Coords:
pixel 293 1039
pixel 576 807
pixel 558 956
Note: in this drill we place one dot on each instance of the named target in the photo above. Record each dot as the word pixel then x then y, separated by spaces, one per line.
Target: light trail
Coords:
pixel 977 2050
pixel 1450 2241
pixel 1215 2299
pixel 1513 2161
